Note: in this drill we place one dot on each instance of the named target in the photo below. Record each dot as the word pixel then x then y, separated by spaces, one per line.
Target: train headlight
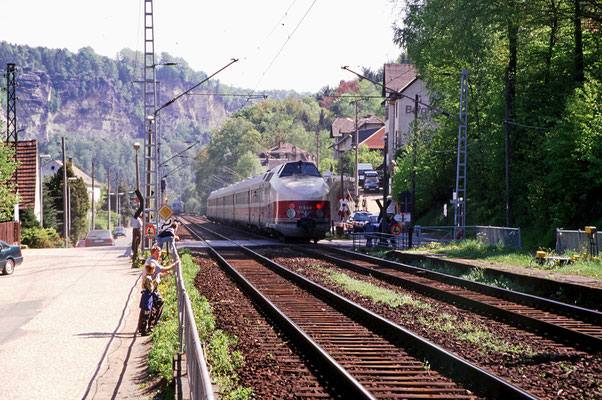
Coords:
pixel 291 213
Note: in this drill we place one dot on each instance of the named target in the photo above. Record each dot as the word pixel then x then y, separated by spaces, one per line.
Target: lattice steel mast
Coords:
pixel 11 105
pixel 460 200
pixel 150 182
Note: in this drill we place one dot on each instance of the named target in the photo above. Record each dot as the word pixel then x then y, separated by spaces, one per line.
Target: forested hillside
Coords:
pixel 95 102
pixel 551 53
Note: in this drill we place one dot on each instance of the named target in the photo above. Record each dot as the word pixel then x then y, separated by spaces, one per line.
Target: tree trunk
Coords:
pixel 579 67
pixel 552 42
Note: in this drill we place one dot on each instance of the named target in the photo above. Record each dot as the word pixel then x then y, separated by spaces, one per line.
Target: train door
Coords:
pixel 259 201
pixel 250 208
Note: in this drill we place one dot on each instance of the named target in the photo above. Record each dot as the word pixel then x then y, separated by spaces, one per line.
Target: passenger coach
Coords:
pixel 290 201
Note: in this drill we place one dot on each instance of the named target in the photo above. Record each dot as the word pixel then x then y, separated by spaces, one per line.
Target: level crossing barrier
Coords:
pixel 190 344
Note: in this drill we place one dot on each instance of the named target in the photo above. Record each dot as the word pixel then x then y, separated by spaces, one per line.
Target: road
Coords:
pixel 68 320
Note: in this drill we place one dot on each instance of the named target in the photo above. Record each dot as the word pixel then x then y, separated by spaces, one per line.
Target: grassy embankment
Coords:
pixel 222 360
pixel 497 254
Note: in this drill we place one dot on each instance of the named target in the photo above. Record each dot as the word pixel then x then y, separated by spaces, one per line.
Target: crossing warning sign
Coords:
pixel 395 229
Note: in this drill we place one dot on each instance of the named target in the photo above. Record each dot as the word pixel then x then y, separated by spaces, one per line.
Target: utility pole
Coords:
pixel 92 228
pixel 460 200
pixel 414 136
pixel 507 130
pixel 109 197
pixel 117 197
pixel 11 107
pixel 65 216
pixel 11 122
pixel 318 149
pixel 151 167
pixel 355 144
pixel 385 217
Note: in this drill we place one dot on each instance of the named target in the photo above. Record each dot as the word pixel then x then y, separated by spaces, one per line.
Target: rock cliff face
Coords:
pixel 53 105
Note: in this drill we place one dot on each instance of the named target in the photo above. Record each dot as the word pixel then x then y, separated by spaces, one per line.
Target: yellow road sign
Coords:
pixel 165 212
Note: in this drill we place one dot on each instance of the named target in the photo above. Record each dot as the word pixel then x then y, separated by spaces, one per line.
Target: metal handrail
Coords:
pixel 190 343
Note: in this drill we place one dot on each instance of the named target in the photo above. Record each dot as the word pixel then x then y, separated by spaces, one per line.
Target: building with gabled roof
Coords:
pixel 52 167
pixel 406 84
pixel 370 131
pixel 284 152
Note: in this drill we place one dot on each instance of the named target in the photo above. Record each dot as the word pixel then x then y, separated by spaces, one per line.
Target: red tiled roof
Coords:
pixel 27 155
pixel 375 141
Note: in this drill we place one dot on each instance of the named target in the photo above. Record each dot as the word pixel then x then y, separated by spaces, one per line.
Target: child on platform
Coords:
pixel 146 300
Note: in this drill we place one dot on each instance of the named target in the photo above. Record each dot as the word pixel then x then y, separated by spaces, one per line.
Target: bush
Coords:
pixel 29 219
pixel 40 237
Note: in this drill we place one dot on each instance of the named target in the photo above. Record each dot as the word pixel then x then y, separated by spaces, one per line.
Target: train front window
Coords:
pixel 300 168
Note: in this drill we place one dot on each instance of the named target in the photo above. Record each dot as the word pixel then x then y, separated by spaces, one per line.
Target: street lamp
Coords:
pixel 136 147
pixel 69 180
pixel 42 157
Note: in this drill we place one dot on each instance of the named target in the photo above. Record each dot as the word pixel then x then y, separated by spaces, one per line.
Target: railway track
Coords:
pixel 382 361
pixel 574 326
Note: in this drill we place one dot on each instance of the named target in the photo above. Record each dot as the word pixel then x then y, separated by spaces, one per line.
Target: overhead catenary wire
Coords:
pixel 397 93
pixel 253 96
pixel 282 47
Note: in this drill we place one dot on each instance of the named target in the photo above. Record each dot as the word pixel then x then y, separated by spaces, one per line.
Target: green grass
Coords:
pixel 496 253
pixel 221 359
pixel 376 293
pixel 482 339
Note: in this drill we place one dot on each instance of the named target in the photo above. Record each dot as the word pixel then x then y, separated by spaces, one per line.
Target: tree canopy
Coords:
pixel 8 166
pixel 541 60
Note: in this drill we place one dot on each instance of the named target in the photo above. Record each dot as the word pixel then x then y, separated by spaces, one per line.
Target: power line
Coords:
pixel 525 126
pixel 282 48
pixel 279 23
pixel 253 96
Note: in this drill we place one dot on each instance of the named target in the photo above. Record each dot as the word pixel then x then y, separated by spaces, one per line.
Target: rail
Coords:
pixel 190 343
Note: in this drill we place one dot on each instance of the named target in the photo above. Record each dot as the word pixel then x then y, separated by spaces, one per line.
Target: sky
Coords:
pixel 281 44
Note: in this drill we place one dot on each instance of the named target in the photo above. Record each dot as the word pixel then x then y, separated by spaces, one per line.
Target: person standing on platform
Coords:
pixel 136 236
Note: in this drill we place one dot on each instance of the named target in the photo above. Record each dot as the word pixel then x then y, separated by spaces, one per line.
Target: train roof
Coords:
pixel 250 181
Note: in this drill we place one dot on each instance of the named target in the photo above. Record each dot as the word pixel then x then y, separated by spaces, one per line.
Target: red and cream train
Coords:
pixel 290 201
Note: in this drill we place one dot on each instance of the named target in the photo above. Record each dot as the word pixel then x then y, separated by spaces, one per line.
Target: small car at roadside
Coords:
pixel 358 220
pixel 10 256
pixel 119 231
pixel 99 237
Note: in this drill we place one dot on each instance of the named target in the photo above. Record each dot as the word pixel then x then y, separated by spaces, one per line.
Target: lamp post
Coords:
pixel 69 180
pixel 136 147
pixel 42 157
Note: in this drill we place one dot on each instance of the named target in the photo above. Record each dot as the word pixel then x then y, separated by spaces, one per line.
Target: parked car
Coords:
pixel 119 231
pixel 358 220
pixel 99 237
pixel 371 183
pixel 10 256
